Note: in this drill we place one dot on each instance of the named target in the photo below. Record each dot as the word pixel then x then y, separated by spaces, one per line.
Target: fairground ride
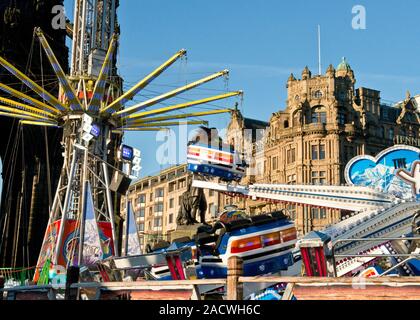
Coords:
pixel 93 112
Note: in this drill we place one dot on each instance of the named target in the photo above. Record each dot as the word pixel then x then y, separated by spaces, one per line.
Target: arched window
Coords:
pixel 318 94
pixel 319 115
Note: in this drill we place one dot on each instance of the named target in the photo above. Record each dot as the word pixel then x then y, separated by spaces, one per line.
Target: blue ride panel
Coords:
pixel 208 169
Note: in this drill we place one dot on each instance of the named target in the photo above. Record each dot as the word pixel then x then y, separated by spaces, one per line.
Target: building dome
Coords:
pixel 344 70
pixel 344 65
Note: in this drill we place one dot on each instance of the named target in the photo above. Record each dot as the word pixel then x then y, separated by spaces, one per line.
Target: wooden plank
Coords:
pixel 288 293
pixel 389 281
pixel 142 285
pixel 162 295
pixel 235 271
pixel 349 293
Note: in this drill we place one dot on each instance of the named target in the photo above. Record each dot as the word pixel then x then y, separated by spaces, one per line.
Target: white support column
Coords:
pixel 66 205
pixel 110 207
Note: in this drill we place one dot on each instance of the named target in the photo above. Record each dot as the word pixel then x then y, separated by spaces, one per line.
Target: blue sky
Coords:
pixel 261 43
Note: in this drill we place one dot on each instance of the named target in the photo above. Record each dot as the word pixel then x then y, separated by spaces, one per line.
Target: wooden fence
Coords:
pixel 303 288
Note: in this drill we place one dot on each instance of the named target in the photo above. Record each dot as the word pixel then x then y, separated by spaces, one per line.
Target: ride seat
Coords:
pixel 278 215
pixel 182 240
pixel 238 224
pixel 205 238
pixel 161 245
pixel 262 219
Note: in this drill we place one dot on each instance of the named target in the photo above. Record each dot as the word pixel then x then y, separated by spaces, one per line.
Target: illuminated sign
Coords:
pixel 127 153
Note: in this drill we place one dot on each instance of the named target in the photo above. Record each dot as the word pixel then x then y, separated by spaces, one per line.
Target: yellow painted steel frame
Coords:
pixel 26 113
pixel 68 89
pixel 99 91
pixel 183 105
pixel 27 108
pixel 28 99
pixel 179 116
pixel 171 94
pixel 144 82
pixel 36 123
pixel 32 85
pixel 166 124
pixel 140 129
pixel 17 116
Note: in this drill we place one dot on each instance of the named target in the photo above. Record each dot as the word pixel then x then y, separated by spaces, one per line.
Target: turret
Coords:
pixel 306 73
pixel 344 70
pixel 330 71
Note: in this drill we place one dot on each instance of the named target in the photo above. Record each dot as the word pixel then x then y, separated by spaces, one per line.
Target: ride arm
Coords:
pixel 71 95
pixel 99 91
pixel 179 116
pixel 118 103
pixel 32 85
pixel 185 105
pixel 170 94
pixel 27 99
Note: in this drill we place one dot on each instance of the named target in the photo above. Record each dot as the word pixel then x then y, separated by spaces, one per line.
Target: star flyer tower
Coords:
pixel 92 111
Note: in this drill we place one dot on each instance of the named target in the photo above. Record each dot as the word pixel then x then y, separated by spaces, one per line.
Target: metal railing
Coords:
pixel 380 242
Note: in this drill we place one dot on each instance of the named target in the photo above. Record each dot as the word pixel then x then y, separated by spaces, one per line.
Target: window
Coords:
pixel 318 94
pixel 318 152
pixel 315 213
pixel 319 116
pixel 171 203
pixel 286 124
pixel 142 212
pixel 318 213
pixel 171 219
pixel 391 134
pixel 342 118
pixel 213 210
pixel 322 152
pixel 150 211
pixel 291 156
pixel 314 152
pixel 159 207
pixel 157 222
pixel 172 186
pixel 319 177
pixel 141 227
pixel 211 193
pixel 291 209
pixel 182 183
pixel 381 132
pixel 292 179
pixel 151 197
pixel 275 164
pixel 141 199
pixel 160 193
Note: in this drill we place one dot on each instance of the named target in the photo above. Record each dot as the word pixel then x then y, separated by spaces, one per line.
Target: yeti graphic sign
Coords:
pixel 394 171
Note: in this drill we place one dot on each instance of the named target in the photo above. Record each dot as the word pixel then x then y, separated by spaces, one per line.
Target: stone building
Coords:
pixel 326 122
pixel 156 201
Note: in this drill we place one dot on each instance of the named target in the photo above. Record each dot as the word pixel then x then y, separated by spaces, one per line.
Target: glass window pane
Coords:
pixel 314 152
pixel 322 152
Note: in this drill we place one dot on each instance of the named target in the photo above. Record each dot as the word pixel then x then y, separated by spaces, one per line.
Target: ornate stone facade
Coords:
pixel 326 122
